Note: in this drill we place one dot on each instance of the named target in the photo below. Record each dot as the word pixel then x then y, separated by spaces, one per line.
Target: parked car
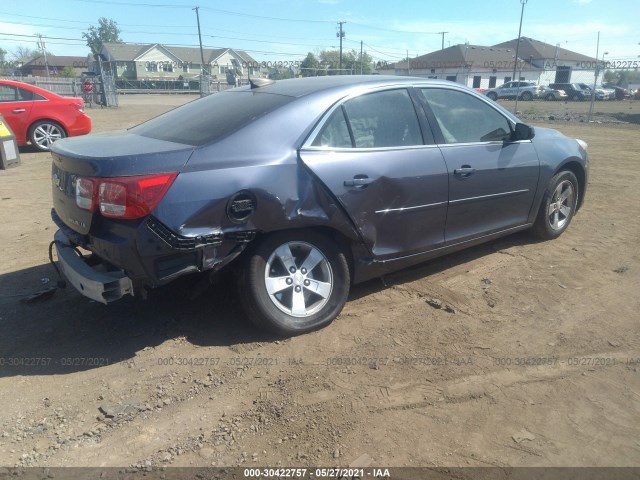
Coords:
pixel 621 92
pixel 509 90
pixel 550 94
pixel 41 117
pixel 601 92
pixel 304 187
pixel 573 90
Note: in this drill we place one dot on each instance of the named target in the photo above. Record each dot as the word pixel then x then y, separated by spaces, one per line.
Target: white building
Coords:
pixel 479 66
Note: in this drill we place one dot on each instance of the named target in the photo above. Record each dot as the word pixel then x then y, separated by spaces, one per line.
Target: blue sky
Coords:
pixel 288 29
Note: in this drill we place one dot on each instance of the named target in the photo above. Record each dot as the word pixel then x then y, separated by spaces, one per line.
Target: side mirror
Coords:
pixel 523 132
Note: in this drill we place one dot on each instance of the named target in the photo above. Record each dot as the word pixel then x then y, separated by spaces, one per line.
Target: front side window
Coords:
pixel 373 120
pixel 462 118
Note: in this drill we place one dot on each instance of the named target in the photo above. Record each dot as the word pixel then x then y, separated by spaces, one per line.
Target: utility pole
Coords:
pixel 200 37
pixel 340 34
pixel 523 2
pixel 43 47
pixel 595 80
pixel 360 57
pixel 408 65
pixel 442 33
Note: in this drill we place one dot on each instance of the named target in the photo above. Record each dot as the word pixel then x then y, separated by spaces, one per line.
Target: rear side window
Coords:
pixel 8 93
pixel 383 119
pixel 373 120
pixel 212 118
pixel 335 132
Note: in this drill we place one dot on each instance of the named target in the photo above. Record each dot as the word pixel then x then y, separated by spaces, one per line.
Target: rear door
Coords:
pixel 15 106
pixel 371 154
pixel 492 180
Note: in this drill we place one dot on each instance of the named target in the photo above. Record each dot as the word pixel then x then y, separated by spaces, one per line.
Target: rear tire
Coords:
pixel 526 96
pixel 294 282
pixel 44 133
pixel 558 206
pixel 492 96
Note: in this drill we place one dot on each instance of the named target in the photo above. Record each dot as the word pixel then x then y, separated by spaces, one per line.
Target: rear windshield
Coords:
pixel 212 118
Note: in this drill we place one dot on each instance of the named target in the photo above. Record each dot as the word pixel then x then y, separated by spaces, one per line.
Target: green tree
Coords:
pixel 4 65
pixel 351 62
pixel 68 72
pixel 107 31
pixel 310 66
pixel 280 74
pixel 24 54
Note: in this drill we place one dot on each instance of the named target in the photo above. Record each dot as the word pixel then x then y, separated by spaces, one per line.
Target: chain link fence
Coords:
pixel 616 97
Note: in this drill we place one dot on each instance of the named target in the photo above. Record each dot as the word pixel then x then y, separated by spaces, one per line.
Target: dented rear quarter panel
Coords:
pixel 263 159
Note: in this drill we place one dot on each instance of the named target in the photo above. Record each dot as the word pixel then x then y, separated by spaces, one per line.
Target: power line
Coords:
pixel 217 10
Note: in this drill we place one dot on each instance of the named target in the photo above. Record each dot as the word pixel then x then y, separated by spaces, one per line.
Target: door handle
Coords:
pixel 464 170
pixel 358 181
pixel 19 110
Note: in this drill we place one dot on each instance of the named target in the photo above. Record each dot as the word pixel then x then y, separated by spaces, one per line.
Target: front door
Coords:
pixel 492 179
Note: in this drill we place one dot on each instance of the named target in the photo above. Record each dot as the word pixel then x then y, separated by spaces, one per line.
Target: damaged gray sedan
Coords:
pixel 305 187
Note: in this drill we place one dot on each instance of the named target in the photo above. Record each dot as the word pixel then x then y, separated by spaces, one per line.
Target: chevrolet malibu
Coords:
pixel 305 187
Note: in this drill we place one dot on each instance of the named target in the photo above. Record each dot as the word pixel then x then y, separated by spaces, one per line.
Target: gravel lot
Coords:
pixel 536 363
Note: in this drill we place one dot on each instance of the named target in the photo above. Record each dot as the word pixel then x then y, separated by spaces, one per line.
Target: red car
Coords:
pixel 39 116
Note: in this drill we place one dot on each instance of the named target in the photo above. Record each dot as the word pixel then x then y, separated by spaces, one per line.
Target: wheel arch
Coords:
pixel 348 246
pixel 578 170
pixel 45 119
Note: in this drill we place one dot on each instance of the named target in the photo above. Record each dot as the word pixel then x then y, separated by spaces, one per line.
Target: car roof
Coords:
pixel 300 87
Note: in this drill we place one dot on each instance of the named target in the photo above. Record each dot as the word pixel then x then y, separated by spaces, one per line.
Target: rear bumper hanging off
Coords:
pixel 103 287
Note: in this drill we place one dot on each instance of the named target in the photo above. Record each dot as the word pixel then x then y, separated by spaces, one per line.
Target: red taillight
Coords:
pixel 124 197
pixel 85 194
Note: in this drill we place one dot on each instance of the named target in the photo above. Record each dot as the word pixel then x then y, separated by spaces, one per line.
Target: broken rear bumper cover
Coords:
pixel 103 287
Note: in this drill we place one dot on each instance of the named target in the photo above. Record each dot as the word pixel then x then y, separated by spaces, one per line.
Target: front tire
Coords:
pixel 526 96
pixel 294 282
pixel 44 133
pixel 558 206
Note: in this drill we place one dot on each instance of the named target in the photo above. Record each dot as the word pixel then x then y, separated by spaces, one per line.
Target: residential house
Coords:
pixel 479 66
pixel 37 67
pixel 162 62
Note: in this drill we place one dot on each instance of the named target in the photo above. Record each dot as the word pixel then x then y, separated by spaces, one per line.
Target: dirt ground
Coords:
pixel 539 365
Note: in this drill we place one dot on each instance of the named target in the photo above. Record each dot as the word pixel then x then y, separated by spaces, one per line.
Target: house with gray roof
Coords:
pixel 480 66
pixel 165 62
pixel 37 66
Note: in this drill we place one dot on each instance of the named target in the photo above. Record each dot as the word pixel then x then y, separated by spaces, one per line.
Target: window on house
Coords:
pixel 151 67
pixel 507 79
pixel 477 79
pixel 452 78
pixel 492 81
pixel 167 67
